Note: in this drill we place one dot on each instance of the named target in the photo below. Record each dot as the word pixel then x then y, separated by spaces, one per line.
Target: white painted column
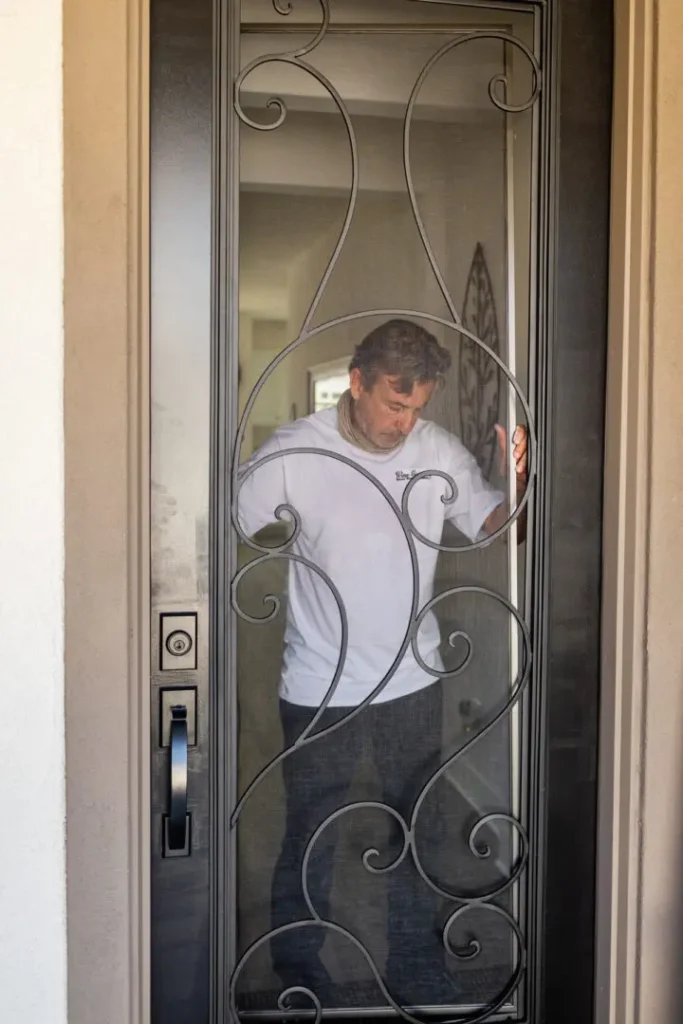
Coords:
pixel 32 801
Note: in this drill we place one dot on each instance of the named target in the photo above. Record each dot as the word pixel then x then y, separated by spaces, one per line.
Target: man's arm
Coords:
pixel 501 513
pixel 474 500
pixel 261 487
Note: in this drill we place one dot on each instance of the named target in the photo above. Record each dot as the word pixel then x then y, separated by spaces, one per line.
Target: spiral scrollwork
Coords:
pixel 284 1000
pixel 463 903
pixel 369 855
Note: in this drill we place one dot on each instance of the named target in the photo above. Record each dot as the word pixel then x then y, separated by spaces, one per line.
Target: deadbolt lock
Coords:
pixel 178 641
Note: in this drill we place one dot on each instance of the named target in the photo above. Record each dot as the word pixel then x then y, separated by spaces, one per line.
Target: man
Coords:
pixel 350 531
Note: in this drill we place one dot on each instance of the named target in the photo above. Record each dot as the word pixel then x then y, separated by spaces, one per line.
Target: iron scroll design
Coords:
pixel 463 902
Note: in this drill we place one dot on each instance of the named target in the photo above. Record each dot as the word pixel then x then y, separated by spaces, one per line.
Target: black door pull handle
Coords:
pixel 177 816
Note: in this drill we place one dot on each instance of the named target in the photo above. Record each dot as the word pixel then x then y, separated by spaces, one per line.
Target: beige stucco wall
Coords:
pixel 32 879
pixel 640 893
pixel 661 937
pixel 105 614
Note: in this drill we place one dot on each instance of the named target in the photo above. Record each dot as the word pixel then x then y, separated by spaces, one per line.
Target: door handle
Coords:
pixel 177 813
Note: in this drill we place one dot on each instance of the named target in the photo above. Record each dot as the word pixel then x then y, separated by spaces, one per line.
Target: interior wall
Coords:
pixel 380 265
pixel 383 262
pixel 32 870
pixel 261 341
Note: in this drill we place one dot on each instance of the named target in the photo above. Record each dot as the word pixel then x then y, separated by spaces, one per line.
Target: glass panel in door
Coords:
pixel 387 193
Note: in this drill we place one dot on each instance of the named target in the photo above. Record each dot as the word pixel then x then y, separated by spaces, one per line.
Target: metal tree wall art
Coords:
pixel 479 377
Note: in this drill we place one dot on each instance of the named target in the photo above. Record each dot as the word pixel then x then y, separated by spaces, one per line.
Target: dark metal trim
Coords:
pixel 519 6
pixel 358 29
pixel 539 577
pixel 224 370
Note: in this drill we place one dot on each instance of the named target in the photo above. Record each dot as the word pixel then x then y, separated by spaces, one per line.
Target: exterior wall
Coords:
pixel 661 934
pixel 640 894
pixel 33 956
pixel 625 513
pixel 104 367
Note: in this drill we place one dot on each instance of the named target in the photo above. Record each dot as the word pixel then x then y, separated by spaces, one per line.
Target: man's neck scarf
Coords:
pixel 351 432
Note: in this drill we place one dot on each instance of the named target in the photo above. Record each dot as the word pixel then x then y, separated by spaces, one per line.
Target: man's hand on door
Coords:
pixel 520 443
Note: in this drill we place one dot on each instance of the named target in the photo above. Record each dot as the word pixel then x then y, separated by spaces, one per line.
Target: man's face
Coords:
pixel 383 413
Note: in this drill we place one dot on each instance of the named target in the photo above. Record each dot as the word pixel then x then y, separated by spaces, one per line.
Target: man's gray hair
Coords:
pixel 403 350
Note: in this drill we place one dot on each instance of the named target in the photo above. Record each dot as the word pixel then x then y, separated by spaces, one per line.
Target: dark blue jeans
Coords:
pixel 404 738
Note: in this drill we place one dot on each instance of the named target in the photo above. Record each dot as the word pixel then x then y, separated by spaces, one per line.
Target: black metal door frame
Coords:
pixel 575 56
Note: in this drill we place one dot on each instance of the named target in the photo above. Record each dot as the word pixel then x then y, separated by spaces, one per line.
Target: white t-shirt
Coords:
pixel 349 530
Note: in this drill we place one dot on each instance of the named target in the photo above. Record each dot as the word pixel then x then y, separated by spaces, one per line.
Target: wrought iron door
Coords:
pixel 323 167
